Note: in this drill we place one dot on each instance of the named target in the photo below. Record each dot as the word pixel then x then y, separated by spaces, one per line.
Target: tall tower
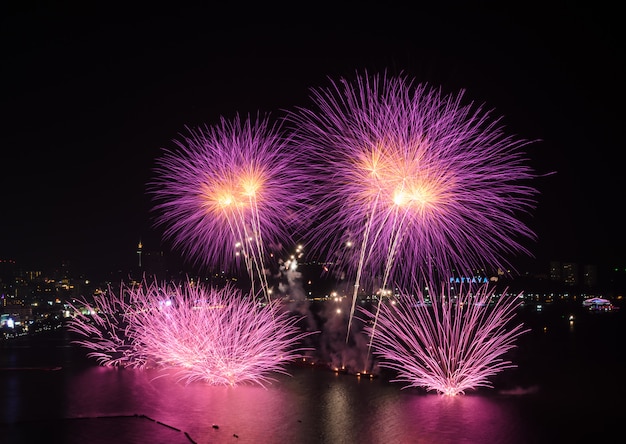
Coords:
pixel 139 253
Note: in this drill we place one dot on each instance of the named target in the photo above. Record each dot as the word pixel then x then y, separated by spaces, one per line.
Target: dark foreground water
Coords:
pixel 569 387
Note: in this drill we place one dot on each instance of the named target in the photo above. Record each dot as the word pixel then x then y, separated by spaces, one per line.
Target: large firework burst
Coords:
pixel 217 336
pixel 416 183
pixel 449 342
pixel 228 193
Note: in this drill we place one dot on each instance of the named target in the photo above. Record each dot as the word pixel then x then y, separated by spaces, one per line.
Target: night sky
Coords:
pixel 91 96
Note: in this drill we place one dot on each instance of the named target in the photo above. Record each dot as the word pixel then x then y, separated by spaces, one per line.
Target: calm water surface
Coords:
pixel 569 387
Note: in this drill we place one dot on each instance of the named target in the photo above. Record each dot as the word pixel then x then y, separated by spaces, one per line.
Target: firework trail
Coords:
pixel 216 336
pixel 453 344
pixel 414 182
pixel 228 193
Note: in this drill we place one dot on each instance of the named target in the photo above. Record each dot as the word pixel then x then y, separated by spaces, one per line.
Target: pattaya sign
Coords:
pixel 469 280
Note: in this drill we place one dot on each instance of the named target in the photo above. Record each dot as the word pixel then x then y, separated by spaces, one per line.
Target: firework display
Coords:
pixel 416 184
pixel 228 193
pixel 217 336
pixel 390 183
pixel 450 342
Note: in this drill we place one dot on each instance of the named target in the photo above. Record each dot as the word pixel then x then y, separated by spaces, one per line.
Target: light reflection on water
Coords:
pixel 311 406
pixel 544 400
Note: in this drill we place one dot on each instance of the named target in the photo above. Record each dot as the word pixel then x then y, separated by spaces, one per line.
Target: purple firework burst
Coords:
pixel 415 183
pixel 216 336
pixel 228 193
pixel 448 344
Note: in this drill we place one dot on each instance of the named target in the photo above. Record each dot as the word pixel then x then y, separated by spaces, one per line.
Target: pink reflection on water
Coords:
pixel 312 406
pixel 195 408
pixel 462 419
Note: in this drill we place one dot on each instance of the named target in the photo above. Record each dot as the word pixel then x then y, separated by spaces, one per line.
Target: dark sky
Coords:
pixel 91 96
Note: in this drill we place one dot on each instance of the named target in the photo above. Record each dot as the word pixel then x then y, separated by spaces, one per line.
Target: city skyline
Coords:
pixel 95 98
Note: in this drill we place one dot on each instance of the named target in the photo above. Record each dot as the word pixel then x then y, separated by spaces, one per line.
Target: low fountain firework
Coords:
pixel 107 328
pixel 449 342
pixel 217 336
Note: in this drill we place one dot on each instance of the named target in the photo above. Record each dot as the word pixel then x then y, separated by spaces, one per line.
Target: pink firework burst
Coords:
pixel 228 193
pixel 106 326
pixel 452 343
pixel 216 336
pixel 415 183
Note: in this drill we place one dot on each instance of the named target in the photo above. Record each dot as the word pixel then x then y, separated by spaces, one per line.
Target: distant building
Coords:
pixel 556 272
pixel 590 276
pixel 8 269
pixel 616 278
pixel 154 264
pixel 570 274
pixel 18 312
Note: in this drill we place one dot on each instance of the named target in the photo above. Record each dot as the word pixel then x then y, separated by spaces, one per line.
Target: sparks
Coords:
pixel 233 183
pixel 216 336
pixel 412 174
pixel 452 344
